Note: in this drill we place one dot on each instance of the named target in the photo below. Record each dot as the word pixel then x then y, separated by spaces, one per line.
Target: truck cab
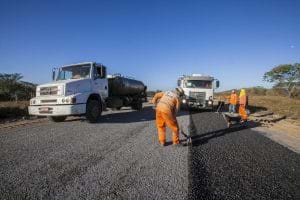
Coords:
pixel 198 91
pixel 71 92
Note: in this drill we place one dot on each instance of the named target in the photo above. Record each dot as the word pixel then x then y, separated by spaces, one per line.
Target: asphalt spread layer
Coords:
pixel 238 163
pixel 117 158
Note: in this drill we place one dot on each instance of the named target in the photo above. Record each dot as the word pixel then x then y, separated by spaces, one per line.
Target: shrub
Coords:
pixel 259 91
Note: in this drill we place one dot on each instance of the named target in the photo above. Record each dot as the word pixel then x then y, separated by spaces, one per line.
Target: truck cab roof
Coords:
pixel 203 78
pixel 83 63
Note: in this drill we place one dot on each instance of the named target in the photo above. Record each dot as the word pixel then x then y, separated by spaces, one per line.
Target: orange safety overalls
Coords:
pixel 242 108
pixel 233 99
pixel 167 106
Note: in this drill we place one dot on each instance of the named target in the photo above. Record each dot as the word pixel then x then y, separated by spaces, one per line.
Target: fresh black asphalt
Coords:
pixel 119 158
pixel 238 163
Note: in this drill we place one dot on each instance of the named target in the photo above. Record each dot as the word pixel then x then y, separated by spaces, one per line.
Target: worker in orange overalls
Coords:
pixel 167 105
pixel 243 101
pixel 233 100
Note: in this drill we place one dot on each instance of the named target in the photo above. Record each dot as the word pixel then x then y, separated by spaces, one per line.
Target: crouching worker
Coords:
pixel 243 101
pixel 167 105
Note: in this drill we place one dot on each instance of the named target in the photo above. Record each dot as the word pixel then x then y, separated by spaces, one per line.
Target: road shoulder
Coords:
pixel 284 132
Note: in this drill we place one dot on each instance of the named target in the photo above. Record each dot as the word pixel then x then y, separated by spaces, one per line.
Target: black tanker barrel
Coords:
pixel 121 86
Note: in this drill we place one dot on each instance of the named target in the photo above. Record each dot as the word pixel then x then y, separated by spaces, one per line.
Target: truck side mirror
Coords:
pixel 53 74
pixel 103 72
pixel 217 84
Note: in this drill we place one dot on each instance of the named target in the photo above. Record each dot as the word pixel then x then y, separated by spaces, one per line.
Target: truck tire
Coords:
pixel 137 106
pixel 93 111
pixel 58 118
pixel 117 108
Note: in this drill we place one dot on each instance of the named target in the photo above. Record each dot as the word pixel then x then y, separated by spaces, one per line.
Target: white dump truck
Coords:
pixel 198 91
pixel 85 89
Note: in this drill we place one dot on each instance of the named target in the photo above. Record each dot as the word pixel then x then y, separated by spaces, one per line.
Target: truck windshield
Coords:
pixel 198 84
pixel 74 72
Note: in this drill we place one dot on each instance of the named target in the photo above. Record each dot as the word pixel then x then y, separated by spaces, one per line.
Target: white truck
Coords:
pixel 198 91
pixel 85 89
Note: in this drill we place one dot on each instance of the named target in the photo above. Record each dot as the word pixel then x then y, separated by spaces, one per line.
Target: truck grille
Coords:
pixel 49 90
pixel 197 97
pixel 49 101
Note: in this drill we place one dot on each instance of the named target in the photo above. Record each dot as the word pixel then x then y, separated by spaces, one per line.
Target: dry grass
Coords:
pixel 277 104
pixel 20 104
pixel 13 109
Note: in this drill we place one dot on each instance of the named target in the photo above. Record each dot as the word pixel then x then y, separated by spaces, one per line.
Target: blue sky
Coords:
pixel 154 41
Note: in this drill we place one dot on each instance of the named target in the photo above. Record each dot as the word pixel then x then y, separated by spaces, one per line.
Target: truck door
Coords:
pixel 100 83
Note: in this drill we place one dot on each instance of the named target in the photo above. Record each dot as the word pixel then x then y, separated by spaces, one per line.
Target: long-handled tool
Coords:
pixel 188 138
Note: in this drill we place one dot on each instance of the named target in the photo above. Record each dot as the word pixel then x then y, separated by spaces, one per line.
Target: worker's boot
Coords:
pixel 177 144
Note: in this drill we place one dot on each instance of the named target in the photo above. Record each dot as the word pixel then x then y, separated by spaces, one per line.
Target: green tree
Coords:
pixel 285 76
pixel 11 87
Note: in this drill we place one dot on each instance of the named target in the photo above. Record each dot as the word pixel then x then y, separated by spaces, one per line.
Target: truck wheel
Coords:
pixel 139 106
pixel 117 108
pixel 93 111
pixel 133 106
pixel 58 118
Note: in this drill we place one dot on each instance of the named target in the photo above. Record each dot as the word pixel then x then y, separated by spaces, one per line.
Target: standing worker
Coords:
pixel 167 105
pixel 243 101
pixel 233 100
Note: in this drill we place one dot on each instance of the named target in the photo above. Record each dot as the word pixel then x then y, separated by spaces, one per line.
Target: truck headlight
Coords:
pixel 69 100
pixel 32 102
pixel 183 100
pixel 210 102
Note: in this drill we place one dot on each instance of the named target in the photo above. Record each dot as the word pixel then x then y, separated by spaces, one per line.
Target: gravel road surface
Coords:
pixel 119 158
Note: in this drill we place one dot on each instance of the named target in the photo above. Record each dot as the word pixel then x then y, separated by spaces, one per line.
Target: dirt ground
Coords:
pixel 12 123
pixel 277 104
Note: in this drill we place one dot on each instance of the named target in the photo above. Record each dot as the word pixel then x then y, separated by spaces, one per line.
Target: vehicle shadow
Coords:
pixel 146 114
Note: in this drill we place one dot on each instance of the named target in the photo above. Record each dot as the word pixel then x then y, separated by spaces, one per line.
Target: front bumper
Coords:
pixel 57 110
pixel 199 105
